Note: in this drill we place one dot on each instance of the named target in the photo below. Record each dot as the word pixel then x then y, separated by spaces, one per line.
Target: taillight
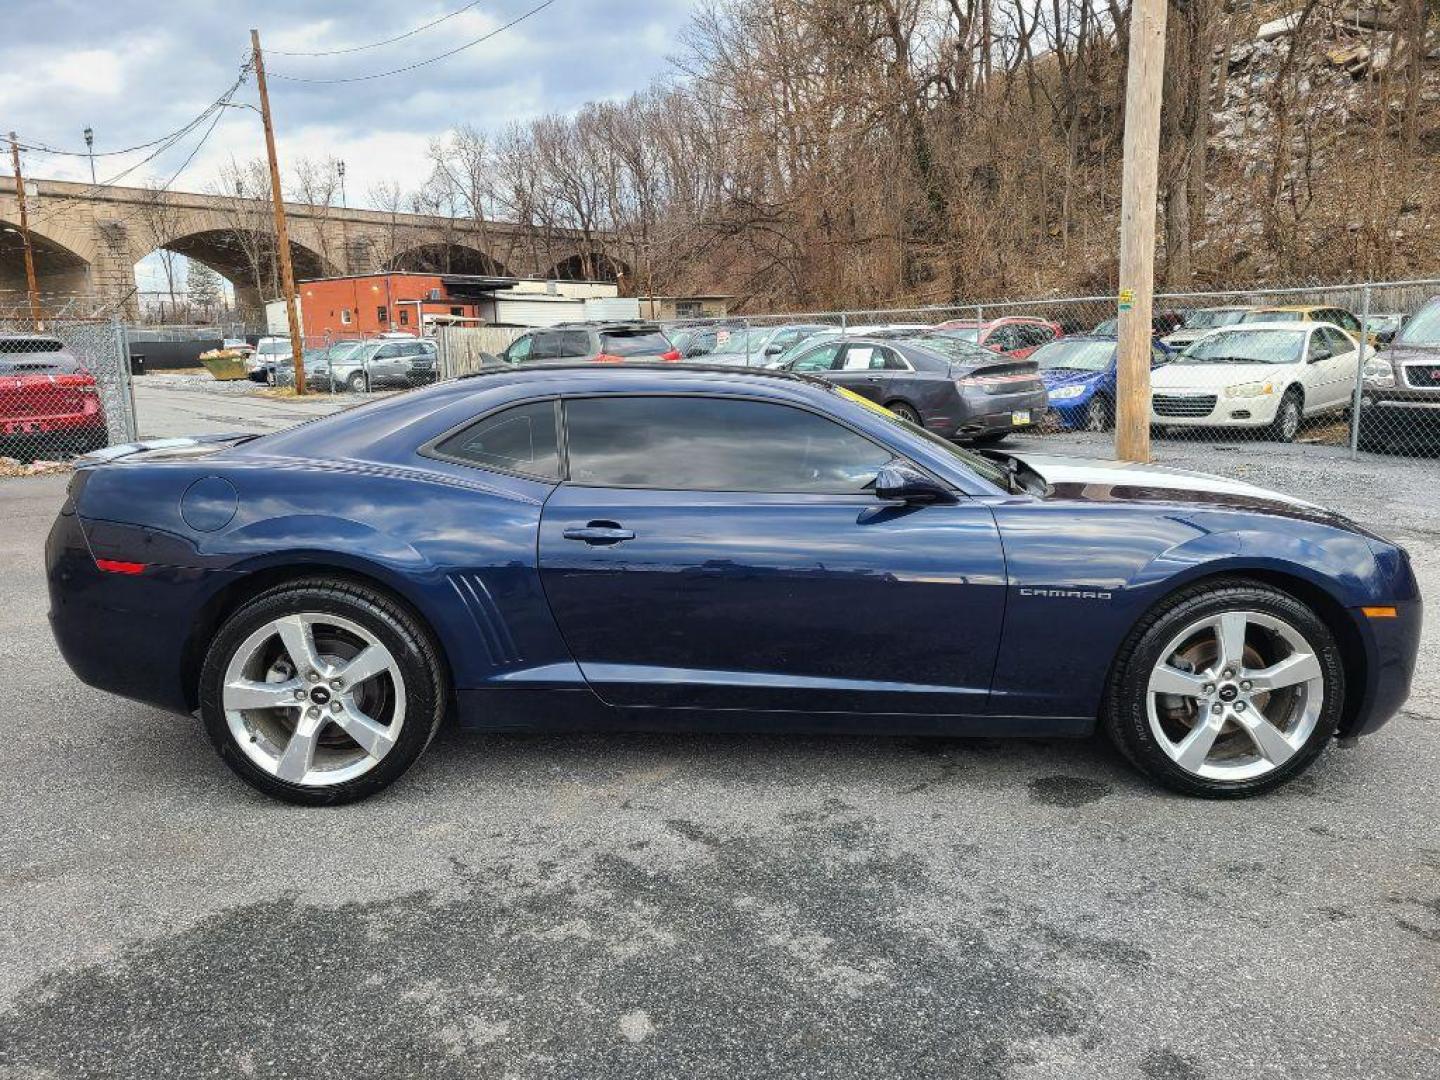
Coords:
pixel 672 356
pixel 609 358
pixel 118 566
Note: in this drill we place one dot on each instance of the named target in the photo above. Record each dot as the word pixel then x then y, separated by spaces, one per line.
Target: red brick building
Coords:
pixel 342 307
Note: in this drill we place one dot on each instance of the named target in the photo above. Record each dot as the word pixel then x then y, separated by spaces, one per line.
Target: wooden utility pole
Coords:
pixel 1137 227
pixel 30 284
pixel 282 235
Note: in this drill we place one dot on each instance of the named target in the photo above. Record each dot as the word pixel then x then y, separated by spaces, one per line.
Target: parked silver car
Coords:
pixel 359 366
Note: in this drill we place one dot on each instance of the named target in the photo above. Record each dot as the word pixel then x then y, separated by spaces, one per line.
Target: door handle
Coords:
pixel 600 532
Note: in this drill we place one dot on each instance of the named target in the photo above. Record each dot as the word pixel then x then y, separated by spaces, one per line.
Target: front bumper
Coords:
pixel 1193 408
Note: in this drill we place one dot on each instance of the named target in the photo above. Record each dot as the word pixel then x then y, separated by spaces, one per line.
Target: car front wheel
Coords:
pixel 321 693
pixel 1288 417
pixel 1099 414
pixel 1226 689
pixel 358 383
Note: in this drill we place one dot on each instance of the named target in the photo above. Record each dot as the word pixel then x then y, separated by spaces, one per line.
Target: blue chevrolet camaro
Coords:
pixel 648 548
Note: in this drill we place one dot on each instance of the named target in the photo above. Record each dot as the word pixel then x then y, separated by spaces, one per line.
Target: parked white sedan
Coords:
pixel 1257 375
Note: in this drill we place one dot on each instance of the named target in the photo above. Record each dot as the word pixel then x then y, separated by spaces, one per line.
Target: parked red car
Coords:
pixel 48 401
pixel 1013 335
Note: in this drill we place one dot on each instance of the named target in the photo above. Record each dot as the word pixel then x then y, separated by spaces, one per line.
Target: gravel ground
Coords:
pixel 715 906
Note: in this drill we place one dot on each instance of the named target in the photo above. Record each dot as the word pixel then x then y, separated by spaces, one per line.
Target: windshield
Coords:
pixel 1423 328
pixel 343 350
pixel 1246 347
pixel 781 359
pixel 1273 316
pixel 1075 355
pixel 956 350
pixel 277 347
pixel 742 341
pixel 1210 318
pixel 634 343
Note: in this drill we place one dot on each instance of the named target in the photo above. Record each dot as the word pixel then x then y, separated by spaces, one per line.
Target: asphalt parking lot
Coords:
pixel 716 906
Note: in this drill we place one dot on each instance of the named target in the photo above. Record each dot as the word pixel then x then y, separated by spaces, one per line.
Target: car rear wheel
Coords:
pixel 1099 414
pixel 905 412
pixel 321 694
pixel 1226 689
pixel 1288 417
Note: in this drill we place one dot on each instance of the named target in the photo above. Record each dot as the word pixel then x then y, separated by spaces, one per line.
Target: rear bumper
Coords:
pixel 986 414
pixel 124 634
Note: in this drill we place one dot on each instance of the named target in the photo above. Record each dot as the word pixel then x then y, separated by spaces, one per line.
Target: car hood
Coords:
pixel 1099 480
pixel 1412 354
pixel 1182 376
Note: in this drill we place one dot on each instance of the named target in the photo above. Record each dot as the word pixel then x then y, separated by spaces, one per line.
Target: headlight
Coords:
pixel 1250 389
pixel 1379 373
pixel 1065 393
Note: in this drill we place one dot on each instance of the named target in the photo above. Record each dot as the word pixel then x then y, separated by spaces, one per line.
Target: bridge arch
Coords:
pixel 247 259
pixel 448 258
pixel 594 266
pixel 60 272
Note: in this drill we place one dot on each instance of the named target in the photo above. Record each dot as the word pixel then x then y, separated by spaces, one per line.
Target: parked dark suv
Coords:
pixel 1400 405
pixel 952 387
pixel 604 343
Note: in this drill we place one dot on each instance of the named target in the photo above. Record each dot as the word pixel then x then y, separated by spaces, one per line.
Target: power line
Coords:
pixel 211 113
pixel 418 63
pixel 41 148
pixel 377 44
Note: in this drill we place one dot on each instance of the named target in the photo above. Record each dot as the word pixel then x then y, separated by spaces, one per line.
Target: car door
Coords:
pixel 711 552
pixel 1338 371
pixel 861 370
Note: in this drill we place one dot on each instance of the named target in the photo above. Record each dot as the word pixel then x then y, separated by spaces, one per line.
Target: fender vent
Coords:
pixel 490 629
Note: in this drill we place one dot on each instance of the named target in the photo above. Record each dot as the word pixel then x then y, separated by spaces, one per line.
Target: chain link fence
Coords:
pixel 64 389
pixel 1343 365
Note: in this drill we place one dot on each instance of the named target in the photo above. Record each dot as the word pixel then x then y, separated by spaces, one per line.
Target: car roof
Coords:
pixel 1292 327
pixel 1291 307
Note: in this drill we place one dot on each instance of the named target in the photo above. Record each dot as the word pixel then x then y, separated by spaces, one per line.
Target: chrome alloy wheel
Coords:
pixel 314 699
pixel 1235 696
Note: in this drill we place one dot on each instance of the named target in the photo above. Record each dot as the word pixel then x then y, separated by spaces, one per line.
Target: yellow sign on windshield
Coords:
pixel 867 403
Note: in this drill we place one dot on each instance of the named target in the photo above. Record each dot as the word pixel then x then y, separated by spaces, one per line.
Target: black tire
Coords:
pixel 1099 414
pixel 1124 714
pixel 1288 417
pixel 358 383
pixel 408 641
pixel 905 412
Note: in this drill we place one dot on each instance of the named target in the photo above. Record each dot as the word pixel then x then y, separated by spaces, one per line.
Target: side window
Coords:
pixel 547 346
pixel 862 358
pixel 893 361
pixel 520 439
pixel 821 358
pixel 1319 344
pixel 389 352
pixel 709 444
pixel 1339 343
pixel 520 349
pixel 1345 319
pixel 574 343
pixel 1001 338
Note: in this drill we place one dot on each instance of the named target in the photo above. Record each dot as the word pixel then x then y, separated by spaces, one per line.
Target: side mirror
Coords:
pixel 901 483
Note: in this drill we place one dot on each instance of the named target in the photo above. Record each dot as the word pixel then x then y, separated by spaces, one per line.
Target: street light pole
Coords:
pixel 344 231
pixel 90 152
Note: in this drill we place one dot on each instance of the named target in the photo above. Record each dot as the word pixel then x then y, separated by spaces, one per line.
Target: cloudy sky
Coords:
pixel 134 70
